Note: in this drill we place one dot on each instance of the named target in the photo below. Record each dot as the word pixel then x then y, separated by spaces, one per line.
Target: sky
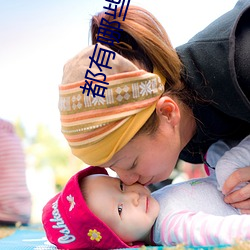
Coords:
pixel 38 37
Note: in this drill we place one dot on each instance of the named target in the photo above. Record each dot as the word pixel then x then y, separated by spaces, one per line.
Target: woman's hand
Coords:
pixel 241 197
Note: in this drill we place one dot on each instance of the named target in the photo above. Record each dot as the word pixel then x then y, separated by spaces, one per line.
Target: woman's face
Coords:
pixel 147 159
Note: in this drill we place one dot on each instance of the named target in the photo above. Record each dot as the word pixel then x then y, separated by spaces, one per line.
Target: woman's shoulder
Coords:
pixel 209 65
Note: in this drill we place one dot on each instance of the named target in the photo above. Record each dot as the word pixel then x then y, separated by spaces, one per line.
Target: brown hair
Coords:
pixel 144 40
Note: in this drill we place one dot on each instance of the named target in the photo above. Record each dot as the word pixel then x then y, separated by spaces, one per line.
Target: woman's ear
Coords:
pixel 168 109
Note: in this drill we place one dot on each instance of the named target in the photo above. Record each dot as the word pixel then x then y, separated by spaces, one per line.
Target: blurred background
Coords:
pixel 36 39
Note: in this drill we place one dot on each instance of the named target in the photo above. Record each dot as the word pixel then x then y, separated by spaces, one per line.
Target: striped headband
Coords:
pixel 96 127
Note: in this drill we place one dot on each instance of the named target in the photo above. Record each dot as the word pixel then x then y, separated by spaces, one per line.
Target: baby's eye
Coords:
pixel 120 206
pixel 121 186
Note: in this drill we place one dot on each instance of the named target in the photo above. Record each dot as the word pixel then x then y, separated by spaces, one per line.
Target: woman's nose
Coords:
pixel 126 177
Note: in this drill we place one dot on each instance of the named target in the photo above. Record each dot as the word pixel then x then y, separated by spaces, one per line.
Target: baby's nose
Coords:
pixel 133 197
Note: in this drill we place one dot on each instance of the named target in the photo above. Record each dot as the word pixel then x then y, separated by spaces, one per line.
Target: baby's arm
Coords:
pixel 237 157
pixel 201 229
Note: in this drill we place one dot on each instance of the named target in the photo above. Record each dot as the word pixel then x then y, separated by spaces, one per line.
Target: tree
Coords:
pixel 45 150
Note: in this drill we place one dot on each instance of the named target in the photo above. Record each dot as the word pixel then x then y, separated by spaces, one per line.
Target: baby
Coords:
pixel 96 211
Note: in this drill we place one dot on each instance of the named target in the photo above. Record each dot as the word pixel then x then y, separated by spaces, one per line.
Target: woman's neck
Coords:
pixel 187 125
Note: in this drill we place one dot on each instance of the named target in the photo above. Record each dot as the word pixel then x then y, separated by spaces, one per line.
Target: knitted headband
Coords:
pixel 69 223
pixel 96 127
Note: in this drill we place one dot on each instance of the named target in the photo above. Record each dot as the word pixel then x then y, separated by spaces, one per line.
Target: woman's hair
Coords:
pixel 144 40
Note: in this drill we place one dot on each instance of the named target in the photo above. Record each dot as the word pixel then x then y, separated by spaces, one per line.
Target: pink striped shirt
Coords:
pixel 15 200
pixel 202 229
pixel 194 212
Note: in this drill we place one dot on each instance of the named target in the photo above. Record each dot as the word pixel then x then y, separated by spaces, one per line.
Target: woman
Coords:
pixel 137 126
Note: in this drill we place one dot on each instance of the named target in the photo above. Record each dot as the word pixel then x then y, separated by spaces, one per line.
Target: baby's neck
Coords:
pixel 148 239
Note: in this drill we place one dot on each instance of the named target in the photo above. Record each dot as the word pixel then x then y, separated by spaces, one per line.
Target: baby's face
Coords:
pixel 130 211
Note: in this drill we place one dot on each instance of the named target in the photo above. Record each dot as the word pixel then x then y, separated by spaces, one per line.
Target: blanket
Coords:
pixel 33 238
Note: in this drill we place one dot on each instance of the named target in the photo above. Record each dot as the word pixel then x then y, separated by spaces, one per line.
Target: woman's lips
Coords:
pixel 148 183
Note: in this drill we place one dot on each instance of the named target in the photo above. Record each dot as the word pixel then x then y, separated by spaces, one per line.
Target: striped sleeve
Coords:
pixel 15 200
pixel 201 229
pixel 236 158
